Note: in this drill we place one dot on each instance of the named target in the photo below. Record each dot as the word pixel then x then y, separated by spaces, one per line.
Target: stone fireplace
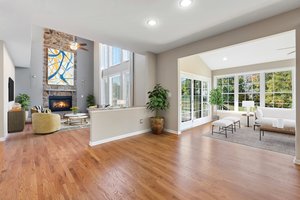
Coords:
pixel 58 40
pixel 60 103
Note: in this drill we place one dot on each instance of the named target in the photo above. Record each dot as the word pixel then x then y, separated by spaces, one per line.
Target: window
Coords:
pixel 116 68
pixel 249 89
pixel 104 56
pixel 112 56
pixel 116 56
pixel 267 89
pixel 278 89
pixel 115 89
pixel 226 84
pixel 205 99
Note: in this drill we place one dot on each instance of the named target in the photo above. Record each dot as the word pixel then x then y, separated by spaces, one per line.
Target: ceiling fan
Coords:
pixel 293 51
pixel 74 46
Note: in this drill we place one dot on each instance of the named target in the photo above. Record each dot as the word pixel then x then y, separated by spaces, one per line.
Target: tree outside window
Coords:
pixel 279 89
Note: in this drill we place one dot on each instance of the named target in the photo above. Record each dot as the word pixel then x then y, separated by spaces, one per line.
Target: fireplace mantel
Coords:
pixel 60 90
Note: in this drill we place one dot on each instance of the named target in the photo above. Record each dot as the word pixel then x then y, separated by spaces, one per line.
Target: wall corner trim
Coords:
pixel 118 137
pixel 296 161
pixel 172 131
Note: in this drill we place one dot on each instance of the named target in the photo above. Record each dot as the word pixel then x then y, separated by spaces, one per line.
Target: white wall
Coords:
pixel 194 65
pixel 7 69
pixel 109 125
pixel 167 69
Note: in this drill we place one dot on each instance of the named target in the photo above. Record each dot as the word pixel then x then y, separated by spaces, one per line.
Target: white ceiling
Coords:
pixel 262 50
pixel 122 22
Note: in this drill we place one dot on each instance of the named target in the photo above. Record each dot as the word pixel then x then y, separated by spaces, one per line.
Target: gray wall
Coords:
pixel 30 80
pixel 167 71
pixel 23 79
pixel 144 77
pixel 85 73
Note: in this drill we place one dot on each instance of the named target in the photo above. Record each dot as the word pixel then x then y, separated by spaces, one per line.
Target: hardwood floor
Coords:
pixel 63 166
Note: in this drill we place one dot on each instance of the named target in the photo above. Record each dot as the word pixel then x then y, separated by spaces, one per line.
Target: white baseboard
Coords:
pixel 118 137
pixel 172 131
pixel 296 161
pixel 2 139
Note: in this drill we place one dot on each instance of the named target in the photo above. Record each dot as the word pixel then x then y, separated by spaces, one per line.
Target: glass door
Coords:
pixel 195 109
pixel 186 102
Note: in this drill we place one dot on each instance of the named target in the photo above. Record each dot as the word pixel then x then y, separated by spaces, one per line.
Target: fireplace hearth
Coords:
pixel 60 103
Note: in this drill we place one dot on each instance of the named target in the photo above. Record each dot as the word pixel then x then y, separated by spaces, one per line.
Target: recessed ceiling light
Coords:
pixel 225 58
pixel 185 3
pixel 151 22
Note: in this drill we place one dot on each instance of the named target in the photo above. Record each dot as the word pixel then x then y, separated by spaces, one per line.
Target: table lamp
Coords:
pixel 248 105
pixel 121 103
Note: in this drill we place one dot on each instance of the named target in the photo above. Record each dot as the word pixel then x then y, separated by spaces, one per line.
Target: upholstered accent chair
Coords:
pixel 44 123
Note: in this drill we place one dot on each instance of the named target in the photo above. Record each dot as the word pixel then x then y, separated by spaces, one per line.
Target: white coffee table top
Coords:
pixel 75 115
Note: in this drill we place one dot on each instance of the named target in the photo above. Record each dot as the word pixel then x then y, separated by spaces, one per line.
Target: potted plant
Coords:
pixel 158 101
pixel 90 100
pixel 74 110
pixel 216 99
pixel 24 100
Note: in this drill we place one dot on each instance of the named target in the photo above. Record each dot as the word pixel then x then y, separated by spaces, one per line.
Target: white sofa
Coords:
pixel 271 115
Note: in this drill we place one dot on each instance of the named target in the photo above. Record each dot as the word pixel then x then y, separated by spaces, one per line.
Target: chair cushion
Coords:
pixel 233 119
pixel 222 123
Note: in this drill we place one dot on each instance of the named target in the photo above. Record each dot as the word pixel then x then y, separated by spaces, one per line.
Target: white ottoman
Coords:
pixel 224 126
pixel 236 121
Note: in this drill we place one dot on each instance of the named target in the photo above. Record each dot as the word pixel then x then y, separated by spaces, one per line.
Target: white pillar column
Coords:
pixel 297 84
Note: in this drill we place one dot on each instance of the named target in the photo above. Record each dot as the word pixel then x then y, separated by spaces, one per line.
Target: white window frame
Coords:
pixel 125 67
pixel 262 85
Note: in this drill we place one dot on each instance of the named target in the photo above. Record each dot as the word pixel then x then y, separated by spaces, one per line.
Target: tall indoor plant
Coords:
pixel 158 101
pixel 216 99
pixel 24 100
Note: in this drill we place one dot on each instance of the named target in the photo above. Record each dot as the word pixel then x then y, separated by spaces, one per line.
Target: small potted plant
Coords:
pixel 74 110
pixel 158 101
pixel 24 100
pixel 216 99
pixel 90 100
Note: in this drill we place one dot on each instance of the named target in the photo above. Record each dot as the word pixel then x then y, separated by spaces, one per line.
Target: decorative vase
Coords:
pixel 157 124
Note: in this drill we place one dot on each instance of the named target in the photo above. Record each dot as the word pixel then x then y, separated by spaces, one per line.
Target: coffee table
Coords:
pixel 270 128
pixel 76 118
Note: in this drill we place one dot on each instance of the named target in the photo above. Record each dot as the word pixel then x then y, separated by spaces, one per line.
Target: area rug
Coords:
pixel 281 143
pixel 64 126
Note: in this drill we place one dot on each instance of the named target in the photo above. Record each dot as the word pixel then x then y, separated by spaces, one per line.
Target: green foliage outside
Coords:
pixel 216 97
pixel 278 90
pixel 24 100
pixel 90 100
pixel 158 99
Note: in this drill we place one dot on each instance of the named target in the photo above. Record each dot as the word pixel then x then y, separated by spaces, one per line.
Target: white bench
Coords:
pixel 224 126
pixel 236 121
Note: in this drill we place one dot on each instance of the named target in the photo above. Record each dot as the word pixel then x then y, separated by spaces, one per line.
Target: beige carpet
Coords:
pixel 277 142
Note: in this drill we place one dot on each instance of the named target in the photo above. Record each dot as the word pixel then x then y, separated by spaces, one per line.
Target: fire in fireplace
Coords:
pixel 60 103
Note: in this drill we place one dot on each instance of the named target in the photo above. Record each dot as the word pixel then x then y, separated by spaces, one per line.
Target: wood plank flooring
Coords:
pixel 63 166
